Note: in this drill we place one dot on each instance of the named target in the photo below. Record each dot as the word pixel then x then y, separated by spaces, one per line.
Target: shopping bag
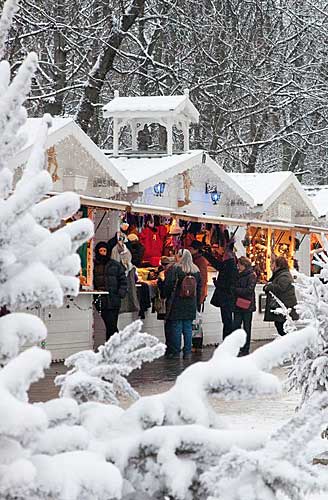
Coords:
pixel 197 332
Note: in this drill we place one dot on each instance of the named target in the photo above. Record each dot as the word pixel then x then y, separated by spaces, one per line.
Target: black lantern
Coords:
pixel 159 189
pixel 204 158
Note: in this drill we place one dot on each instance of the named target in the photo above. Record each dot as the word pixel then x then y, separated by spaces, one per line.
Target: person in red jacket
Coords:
pixel 200 261
pixel 152 238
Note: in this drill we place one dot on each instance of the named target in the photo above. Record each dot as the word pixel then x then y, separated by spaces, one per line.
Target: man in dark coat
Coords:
pixel 137 250
pixel 223 296
pixel 281 284
pixel 109 276
pixel 244 308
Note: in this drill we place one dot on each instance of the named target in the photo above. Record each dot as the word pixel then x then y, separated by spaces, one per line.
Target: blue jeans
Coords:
pixel 179 328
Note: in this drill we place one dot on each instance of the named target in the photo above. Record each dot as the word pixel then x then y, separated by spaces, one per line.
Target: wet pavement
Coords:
pixel 151 378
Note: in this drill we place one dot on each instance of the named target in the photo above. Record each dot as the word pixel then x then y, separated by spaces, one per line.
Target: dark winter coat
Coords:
pixel 245 288
pixel 137 251
pixel 182 308
pixel 225 282
pixel 281 284
pixel 111 278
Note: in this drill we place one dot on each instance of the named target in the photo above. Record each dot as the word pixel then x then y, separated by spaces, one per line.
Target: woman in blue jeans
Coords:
pixel 183 299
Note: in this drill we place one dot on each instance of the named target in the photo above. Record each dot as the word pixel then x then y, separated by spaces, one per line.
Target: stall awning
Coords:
pixel 151 209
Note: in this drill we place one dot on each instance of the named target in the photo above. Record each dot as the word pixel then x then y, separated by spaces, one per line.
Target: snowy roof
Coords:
pixel 60 129
pixel 319 198
pixel 265 188
pixel 145 172
pixel 151 106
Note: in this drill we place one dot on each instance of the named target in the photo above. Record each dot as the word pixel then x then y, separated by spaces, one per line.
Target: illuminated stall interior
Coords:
pixel 262 244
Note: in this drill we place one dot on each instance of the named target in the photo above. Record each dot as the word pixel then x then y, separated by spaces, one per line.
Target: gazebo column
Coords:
pixel 134 132
pixel 115 136
pixel 169 131
pixel 186 136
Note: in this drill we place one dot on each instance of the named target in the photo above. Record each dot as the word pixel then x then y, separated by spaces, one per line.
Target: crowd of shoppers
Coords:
pixel 183 286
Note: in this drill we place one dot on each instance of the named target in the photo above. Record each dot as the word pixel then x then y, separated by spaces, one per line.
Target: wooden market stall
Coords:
pixel 275 236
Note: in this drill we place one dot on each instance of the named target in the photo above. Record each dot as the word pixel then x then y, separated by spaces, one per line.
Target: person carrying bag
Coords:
pixel 182 289
pixel 245 305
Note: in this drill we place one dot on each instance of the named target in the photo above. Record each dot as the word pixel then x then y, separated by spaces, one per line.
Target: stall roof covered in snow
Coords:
pixel 144 172
pixel 61 129
pixel 151 107
pixel 265 188
pixel 319 197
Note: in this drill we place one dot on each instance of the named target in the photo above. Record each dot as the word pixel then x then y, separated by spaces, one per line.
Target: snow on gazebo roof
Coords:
pixel 61 129
pixel 144 172
pixel 319 197
pixel 265 188
pixel 151 107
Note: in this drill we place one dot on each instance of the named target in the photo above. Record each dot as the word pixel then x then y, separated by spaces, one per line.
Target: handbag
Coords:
pixel 242 303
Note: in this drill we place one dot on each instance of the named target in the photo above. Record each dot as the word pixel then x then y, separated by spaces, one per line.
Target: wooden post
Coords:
pixel 292 248
pixel 268 257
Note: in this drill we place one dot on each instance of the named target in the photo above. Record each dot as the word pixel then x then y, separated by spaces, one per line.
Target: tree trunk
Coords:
pixel 105 62
pixel 55 107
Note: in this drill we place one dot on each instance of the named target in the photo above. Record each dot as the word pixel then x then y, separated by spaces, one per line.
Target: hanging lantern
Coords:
pixel 215 197
pixel 159 189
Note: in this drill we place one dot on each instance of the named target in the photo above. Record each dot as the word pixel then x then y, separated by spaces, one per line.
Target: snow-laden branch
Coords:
pixel 102 376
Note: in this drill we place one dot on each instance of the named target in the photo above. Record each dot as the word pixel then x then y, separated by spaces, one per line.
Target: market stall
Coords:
pixel 259 239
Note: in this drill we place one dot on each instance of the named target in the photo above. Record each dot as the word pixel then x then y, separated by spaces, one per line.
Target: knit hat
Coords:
pixel 133 237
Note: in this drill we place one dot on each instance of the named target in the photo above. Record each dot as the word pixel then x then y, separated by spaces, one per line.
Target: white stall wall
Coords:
pixel 70 328
pixel 212 324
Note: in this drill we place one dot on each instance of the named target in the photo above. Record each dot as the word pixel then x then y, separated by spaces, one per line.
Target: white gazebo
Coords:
pixel 136 112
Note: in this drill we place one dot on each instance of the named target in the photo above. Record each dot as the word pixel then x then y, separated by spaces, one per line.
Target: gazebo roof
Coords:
pixel 176 106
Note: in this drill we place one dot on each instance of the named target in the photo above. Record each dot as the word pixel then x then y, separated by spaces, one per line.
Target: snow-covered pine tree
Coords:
pixel 309 370
pixel 42 454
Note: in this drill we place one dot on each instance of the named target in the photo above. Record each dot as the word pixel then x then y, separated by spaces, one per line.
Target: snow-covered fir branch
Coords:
pixel 102 376
pixel 278 468
pixel 309 371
